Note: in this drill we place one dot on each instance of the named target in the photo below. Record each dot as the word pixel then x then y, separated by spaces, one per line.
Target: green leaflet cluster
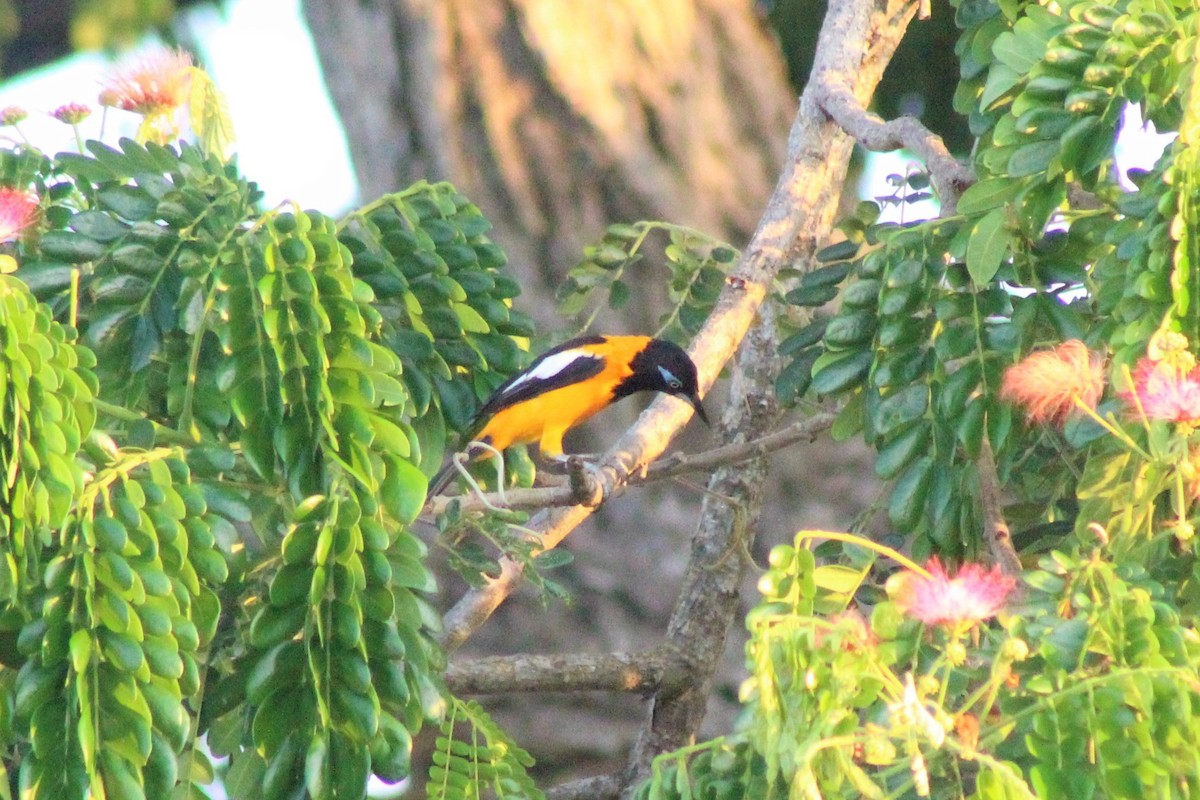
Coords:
pixel 141 229
pixel 786 653
pixel 812 684
pixel 444 302
pixel 1108 706
pixel 483 762
pixel 1094 684
pixel 342 663
pixel 115 651
pixel 1135 272
pixel 931 314
pixel 307 368
pixel 918 350
pixel 717 770
pixel 698 265
pixel 343 670
pixel 1045 93
pixel 46 414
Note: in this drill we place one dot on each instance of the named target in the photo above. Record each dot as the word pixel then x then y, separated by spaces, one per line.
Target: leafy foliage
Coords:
pixel 240 565
pixel 697 264
pixel 1094 682
pixel 933 312
pixel 1088 686
pixel 128 605
pixel 481 760
pixel 46 415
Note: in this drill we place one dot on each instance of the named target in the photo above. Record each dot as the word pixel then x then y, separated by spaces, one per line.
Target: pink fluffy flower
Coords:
pixel 156 85
pixel 1048 384
pixel 971 596
pixel 17 211
pixel 1166 383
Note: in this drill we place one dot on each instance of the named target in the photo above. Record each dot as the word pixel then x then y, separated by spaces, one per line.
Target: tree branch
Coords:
pixel 950 178
pixel 660 670
pixel 857 39
pixel 600 787
pixel 680 463
pixel 669 467
pixel 995 528
pixel 811 179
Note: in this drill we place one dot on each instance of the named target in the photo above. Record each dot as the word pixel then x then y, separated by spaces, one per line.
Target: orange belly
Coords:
pixel 545 419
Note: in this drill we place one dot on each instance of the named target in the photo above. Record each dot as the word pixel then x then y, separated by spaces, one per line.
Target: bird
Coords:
pixel 571 382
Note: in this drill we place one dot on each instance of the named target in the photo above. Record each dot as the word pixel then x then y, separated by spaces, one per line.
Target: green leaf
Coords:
pixel 46 277
pixel 987 247
pixel 805 337
pixel 850 328
pixel 899 452
pixel 470 319
pixel 129 202
pixel 900 408
pixel 389 437
pixel 816 295
pixel 1015 52
pixel 836 376
pixel 137 258
pixel 1084 145
pixel 1064 644
pixel 553 559
pixel 1000 80
pixel 403 490
pixel 1032 158
pixel 71 247
pixel 81 649
pixel 838 579
pixel 121 651
pixel 837 252
pixel 795 379
pixel 97 225
pixel 907 500
pixel 244 781
pixel 988 194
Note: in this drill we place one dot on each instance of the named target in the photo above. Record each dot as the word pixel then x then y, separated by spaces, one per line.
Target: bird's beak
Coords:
pixel 696 404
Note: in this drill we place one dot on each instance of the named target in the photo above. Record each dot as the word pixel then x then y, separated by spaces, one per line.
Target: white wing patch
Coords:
pixel 551 366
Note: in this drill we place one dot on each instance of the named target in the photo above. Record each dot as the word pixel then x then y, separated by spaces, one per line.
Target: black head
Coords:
pixel 663 366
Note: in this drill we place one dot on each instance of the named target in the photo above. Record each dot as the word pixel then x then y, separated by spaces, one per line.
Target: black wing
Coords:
pixel 529 383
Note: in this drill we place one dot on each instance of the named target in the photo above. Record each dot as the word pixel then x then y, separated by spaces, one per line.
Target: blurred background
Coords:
pixel 557 117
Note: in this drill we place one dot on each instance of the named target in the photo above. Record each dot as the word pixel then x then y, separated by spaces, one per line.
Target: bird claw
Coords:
pixel 586 480
pixel 562 464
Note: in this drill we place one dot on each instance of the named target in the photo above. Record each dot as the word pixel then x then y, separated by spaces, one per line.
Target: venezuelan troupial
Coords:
pixel 568 384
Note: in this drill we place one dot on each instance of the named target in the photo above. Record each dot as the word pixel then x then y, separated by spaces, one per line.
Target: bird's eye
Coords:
pixel 672 381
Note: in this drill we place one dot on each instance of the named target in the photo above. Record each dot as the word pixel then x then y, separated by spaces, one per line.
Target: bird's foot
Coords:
pixel 584 476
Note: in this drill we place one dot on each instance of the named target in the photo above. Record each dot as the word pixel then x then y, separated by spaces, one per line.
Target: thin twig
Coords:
pixel 643 673
pixel 679 463
pixel 587 490
pixel 950 177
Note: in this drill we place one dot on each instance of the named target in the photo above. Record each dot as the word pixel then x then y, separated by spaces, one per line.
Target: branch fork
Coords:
pixel 949 176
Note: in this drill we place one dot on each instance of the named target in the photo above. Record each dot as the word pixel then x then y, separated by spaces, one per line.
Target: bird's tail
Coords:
pixel 439 482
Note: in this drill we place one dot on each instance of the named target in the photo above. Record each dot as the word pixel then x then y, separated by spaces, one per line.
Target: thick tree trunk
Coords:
pixel 558 118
